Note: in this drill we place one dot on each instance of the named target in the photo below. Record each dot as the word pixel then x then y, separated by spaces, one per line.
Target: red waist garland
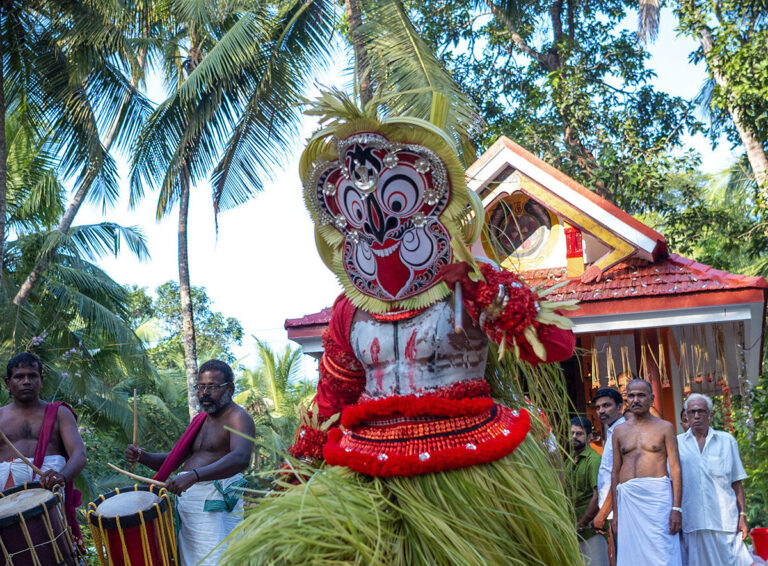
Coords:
pixel 412 435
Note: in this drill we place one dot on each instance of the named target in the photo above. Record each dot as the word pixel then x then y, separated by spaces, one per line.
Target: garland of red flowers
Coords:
pixel 517 311
pixel 309 443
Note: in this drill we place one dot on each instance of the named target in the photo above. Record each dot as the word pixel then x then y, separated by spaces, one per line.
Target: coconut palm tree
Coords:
pixel 77 91
pixel 232 70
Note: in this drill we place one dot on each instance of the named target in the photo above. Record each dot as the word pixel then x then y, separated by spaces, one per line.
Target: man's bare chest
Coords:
pixel 213 437
pixel 642 443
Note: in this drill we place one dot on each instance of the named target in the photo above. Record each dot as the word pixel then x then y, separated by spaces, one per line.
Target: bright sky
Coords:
pixel 263 267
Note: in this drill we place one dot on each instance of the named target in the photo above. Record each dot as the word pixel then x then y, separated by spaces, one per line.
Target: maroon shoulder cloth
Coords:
pixel 176 456
pixel 72 496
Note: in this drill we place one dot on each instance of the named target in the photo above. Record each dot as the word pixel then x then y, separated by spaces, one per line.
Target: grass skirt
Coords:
pixel 509 512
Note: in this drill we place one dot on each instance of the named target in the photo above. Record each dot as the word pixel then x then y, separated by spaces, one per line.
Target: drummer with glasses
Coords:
pixel 45 433
pixel 212 460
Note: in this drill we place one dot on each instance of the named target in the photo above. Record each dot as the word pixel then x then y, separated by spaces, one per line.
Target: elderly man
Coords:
pixel 46 433
pixel 647 511
pixel 582 481
pixel 714 522
pixel 214 458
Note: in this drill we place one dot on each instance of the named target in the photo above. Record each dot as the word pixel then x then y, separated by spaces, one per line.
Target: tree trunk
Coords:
pixel 361 56
pixel 3 167
pixel 752 146
pixel 185 294
pixel 65 223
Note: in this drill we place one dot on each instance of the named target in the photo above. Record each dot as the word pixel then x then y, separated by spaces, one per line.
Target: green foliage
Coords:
pixel 272 393
pixel 739 54
pixel 570 84
pixel 751 428
pixel 158 320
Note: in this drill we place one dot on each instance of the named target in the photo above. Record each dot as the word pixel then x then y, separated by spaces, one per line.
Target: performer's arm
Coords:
pixel 74 447
pixel 512 315
pixel 152 460
pixel 342 380
pixel 675 472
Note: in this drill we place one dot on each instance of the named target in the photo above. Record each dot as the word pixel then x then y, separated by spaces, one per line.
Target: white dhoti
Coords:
pixel 594 550
pixel 644 505
pixel 715 548
pixel 208 511
pixel 16 472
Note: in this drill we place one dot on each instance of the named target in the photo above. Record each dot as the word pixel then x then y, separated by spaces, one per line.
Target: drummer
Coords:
pixel 213 458
pixel 46 433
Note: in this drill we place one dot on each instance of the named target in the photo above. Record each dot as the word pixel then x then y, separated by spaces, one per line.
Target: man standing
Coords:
pixel 714 521
pixel 609 405
pixel 46 433
pixel 684 420
pixel 582 479
pixel 647 511
pixel 210 503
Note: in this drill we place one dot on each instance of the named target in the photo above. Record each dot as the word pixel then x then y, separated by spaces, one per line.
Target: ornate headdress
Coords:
pixel 390 205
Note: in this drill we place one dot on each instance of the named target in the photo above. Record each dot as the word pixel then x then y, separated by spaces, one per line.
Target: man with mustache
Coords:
pixel 210 482
pixel 46 433
pixel 582 481
pixel 714 506
pixel 647 513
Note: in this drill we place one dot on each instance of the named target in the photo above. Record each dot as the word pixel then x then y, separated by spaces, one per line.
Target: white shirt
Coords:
pixel 606 465
pixel 709 501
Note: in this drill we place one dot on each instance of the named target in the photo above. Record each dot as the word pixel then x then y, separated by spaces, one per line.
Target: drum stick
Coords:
pixel 135 426
pixel 136 476
pixel 458 309
pixel 23 458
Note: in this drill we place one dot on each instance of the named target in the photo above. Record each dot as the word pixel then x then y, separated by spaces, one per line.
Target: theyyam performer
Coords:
pixel 404 457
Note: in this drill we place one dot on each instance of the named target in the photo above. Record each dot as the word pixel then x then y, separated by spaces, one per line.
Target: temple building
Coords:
pixel 682 325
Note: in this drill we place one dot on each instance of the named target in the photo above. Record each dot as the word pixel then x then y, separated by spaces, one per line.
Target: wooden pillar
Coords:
pixel 663 399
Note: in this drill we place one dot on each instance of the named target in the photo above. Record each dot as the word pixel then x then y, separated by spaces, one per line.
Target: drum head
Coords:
pixel 126 504
pixel 22 501
pixel 19 500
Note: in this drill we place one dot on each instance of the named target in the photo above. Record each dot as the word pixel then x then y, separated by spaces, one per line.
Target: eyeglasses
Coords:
pixel 211 388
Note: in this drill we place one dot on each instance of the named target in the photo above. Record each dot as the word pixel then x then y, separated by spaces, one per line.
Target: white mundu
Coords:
pixel 208 512
pixel 710 512
pixel 17 472
pixel 644 505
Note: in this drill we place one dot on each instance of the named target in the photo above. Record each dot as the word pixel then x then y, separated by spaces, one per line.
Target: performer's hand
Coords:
pixel 52 478
pixel 181 483
pixel 453 273
pixel 743 527
pixel 132 453
pixel 675 522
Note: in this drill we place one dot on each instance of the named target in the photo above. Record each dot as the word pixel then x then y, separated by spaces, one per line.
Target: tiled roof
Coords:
pixel 639 278
pixel 322 317
pixel 631 279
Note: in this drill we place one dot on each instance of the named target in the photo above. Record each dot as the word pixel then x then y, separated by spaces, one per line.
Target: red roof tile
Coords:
pixel 638 278
pixel 322 317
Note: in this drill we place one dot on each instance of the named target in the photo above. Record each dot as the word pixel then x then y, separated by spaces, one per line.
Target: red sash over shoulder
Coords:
pixel 182 447
pixel 72 496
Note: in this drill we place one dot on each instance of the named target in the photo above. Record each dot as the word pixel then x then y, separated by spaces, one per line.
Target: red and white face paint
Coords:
pixel 386 199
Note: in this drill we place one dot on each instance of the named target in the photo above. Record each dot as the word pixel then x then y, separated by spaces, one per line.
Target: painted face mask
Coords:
pixel 386 211
pixel 386 200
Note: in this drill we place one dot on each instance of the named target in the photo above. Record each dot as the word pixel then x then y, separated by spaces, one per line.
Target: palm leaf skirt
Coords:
pixel 509 512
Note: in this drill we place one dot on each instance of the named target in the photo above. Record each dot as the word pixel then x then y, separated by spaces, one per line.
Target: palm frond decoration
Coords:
pixel 406 73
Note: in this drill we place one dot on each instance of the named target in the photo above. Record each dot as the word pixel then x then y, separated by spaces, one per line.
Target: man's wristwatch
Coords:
pixel 678 509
